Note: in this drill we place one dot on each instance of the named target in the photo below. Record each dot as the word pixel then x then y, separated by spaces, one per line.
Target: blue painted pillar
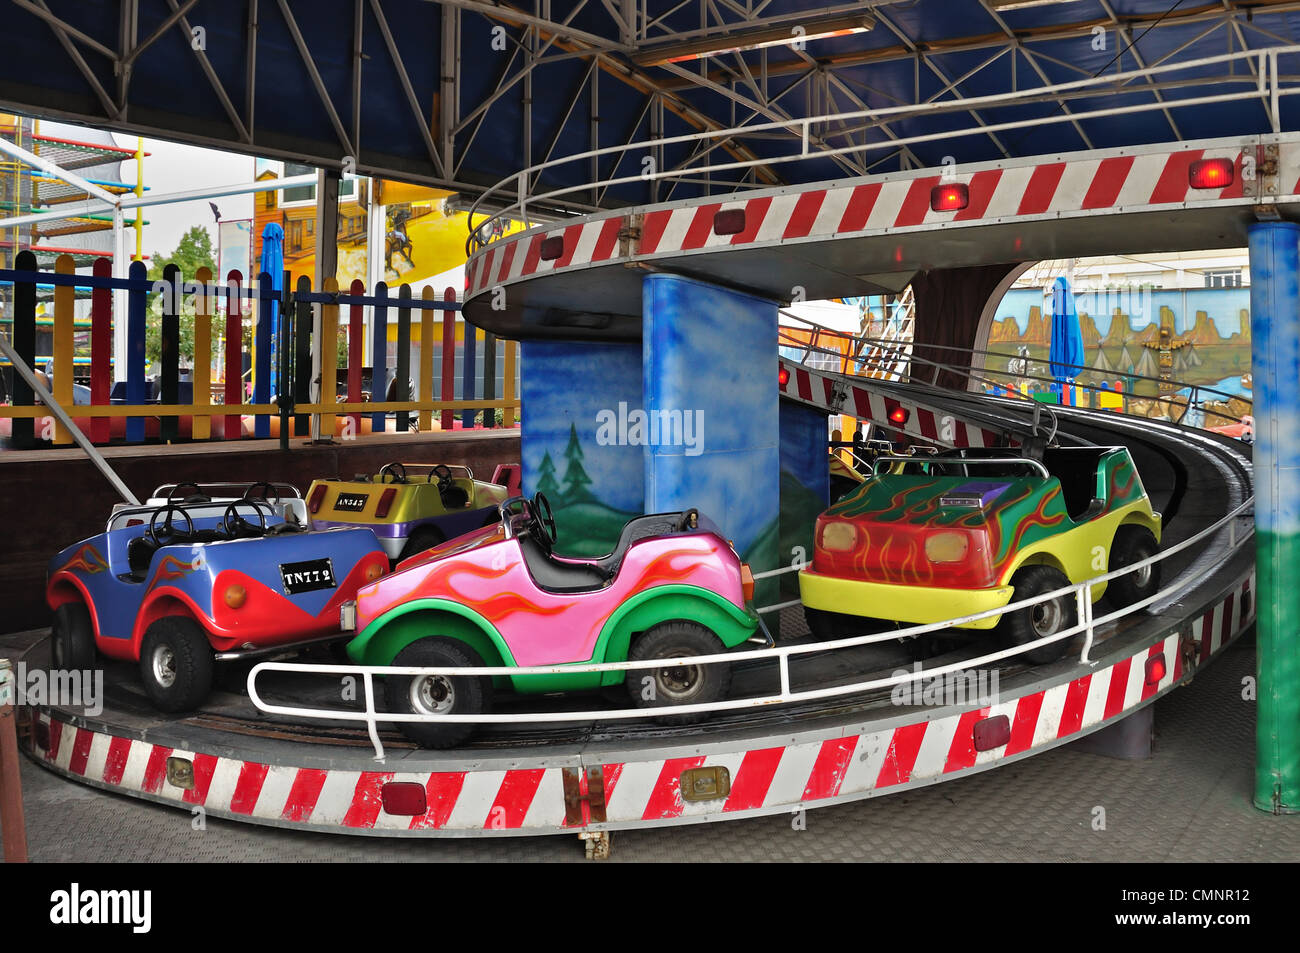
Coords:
pixel 573 395
pixel 1275 364
pixel 710 397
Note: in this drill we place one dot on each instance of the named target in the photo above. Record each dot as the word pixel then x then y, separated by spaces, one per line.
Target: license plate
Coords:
pixel 351 502
pixel 307 576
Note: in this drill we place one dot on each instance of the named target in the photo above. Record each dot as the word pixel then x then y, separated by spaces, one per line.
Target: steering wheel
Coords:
pixel 198 492
pixel 267 490
pixel 395 470
pixel 234 526
pixel 543 518
pixel 443 473
pixel 166 533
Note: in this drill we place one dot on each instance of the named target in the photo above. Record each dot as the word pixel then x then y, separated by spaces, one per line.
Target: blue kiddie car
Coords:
pixel 186 583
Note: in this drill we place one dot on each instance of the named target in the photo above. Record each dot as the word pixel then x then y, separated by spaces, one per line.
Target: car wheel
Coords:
pixel 677 684
pixel 1038 621
pixel 176 664
pixel 1133 544
pixel 437 694
pixel 424 538
pixel 73 644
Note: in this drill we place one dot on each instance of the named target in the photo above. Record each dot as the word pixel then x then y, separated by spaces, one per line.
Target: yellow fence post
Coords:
pixel 201 426
pixel 64 298
pixel 508 391
pixel 329 358
pixel 426 358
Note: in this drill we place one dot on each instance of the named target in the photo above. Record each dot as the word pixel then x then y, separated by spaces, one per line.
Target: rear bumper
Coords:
pixel 919 605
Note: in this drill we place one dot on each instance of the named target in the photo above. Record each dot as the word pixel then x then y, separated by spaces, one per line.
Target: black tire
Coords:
pixel 176 664
pixel 1034 622
pixel 1132 544
pixel 446 694
pixel 681 684
pixel 823 624
pixel 72 647
pixel 426 537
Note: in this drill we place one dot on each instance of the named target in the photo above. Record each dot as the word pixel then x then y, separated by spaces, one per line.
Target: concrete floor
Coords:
pixel 1190 802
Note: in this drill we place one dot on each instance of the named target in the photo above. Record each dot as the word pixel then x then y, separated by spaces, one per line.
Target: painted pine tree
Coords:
pixel 546 482
pixel 576 480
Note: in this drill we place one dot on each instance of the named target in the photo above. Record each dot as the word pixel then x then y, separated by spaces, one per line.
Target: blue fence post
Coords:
pixel 137 387
pixel 379 356
pixel 402 390
pixel 489 377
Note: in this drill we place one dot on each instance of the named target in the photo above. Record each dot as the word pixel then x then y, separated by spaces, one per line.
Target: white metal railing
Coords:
pixel 1268 86
pixel 1086 623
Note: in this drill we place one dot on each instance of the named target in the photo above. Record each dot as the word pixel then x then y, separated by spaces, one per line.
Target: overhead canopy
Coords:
pixel 464 93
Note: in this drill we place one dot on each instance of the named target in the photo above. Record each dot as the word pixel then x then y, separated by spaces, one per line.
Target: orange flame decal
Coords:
pixel 87 559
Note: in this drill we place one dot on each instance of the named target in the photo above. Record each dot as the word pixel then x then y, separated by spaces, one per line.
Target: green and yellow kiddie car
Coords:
pixel 929 539
pixel 410 506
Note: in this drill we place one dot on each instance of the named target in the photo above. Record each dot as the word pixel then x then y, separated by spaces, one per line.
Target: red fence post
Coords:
pixel 101 351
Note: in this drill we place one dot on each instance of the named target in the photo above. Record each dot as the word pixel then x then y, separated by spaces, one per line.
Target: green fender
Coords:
pixel 397 628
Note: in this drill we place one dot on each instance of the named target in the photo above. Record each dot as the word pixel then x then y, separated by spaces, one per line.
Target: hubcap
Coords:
pixel 1047 617
pixel 432 695
pixel 679 681
pixel 1142 577
pixel 163 663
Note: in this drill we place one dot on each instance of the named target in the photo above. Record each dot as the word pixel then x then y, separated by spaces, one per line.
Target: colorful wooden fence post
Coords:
pixel 467 386
pixel 379 355
pixel 137 386
pixel 301 357
pixel 201 375
pixel 101 351
pixel 489 377
pixel 402 380
pixel 329 358
pixel 169 341
pixel 24 342
pixel 355 360
pixel 426 358
pixel 234 389
pixel 508 391
pixel 266 303
pixel 64 305
pixel 448 356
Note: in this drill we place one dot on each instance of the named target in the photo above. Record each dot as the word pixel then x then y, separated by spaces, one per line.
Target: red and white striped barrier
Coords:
pixel 1101 182
pixel 856 397
pixel 763 778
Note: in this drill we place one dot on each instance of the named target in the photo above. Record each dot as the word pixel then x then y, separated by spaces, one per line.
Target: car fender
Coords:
pixel 397 628
pixel 732 625
pixel 159 604
pixel 66 587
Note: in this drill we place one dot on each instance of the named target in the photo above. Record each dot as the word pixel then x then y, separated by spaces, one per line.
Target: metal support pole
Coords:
pixel 119 304
pixel 1275 363
pixel 12 825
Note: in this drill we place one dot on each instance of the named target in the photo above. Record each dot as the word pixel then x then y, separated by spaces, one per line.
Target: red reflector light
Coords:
pixel 385 502
pixel 899 415
pixel 317 498
pixel 729 221
pixel 404 798
pixel 1155 669
pixel 992 733
pixel 783 376
pixel 1210 174
pixel 552 248
pixel 949 198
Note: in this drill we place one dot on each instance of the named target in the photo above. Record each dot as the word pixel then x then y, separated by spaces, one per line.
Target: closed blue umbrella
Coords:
pixel 272 264
pixel 1065 353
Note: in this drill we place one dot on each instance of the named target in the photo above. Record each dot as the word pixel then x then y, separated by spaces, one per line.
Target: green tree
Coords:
pixel 575 477
pixel 546 483
pixel 193 252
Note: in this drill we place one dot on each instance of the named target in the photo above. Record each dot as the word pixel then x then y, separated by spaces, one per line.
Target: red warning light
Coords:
pixel 1210 174
pixel 1155 670
pixel 899 415
pixel 949 198
pixel 783 376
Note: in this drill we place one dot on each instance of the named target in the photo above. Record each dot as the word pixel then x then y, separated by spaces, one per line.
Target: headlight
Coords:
pixel 236 596
pixel 840 537
pixel 946 547
pixel 348 616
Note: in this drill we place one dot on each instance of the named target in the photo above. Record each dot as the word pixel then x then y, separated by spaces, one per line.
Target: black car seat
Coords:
pixel 554 575
pixel 644 527
pixel 454 497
